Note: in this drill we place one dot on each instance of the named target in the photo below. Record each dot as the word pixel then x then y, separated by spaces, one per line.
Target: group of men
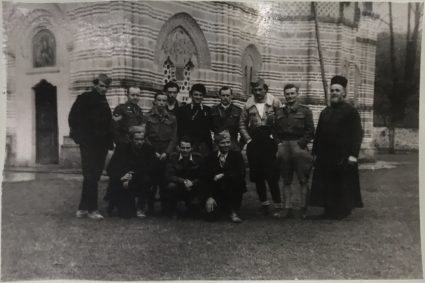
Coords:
pixel 192 153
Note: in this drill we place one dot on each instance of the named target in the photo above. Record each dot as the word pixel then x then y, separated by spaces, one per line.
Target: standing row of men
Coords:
pixel 171 148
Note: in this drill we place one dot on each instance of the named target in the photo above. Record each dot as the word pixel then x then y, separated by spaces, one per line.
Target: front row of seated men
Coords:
pixel 211 186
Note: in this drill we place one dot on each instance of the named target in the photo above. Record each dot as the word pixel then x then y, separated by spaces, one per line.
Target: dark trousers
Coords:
pixel 177 192
pixel 274 189
pixel 92 163
pixel 159 182
pixel 228 200
pixel 129 200
pixel 261 153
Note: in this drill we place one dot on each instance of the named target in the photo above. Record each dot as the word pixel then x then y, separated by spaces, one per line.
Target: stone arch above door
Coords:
pixel 251 66
pixel 183 26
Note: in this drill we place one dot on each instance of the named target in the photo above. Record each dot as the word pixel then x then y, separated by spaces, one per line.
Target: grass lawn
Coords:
pixel 41 238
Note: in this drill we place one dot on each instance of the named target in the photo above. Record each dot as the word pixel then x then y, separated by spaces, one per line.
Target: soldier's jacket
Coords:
pixel 226 119
pixel 251 119
pixel 294 123
pixel 161 131
pixel 132 115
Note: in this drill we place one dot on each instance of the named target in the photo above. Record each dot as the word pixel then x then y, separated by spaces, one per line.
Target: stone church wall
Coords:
pixel 227 44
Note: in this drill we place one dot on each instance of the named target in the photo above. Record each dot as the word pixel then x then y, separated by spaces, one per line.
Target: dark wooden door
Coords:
pixel 46 121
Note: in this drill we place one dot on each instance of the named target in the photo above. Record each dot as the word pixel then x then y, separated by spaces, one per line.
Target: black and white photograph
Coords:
pixel 205 140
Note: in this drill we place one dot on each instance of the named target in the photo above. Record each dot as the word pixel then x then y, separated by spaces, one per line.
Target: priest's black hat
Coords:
pixel 339 80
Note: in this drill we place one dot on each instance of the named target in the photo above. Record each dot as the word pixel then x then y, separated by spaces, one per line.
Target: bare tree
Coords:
pixel 319 49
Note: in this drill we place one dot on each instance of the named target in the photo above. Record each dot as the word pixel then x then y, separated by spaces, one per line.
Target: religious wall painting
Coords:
pixel 44 49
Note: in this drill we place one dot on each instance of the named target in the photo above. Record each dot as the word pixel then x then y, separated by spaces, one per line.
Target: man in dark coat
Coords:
pixel 183 173
pixel 132 173
pixel 225 116
pixel 90 122
pixel 172 89
pixel 336 148
pixel 224 180
pixel 194 121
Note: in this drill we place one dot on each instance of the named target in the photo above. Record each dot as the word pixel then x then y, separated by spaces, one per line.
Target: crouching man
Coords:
pixel 225 180
pixel 183 173
pixel 132 172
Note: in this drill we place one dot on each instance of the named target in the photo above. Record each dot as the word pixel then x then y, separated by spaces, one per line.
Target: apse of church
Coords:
pixel 151 43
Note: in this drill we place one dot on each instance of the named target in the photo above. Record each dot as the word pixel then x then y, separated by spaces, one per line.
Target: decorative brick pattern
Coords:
pixel 124 40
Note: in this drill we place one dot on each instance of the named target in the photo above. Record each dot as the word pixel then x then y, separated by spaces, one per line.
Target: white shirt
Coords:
pixel 260 108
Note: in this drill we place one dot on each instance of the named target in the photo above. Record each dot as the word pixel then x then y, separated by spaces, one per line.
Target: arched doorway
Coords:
pixel 46 123
pixel 251 65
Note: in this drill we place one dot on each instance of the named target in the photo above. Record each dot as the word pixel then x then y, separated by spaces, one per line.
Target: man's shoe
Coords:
pixel 81 213
pixel 95 215
pixel 235 218
pixel 140 214
pixel 281 213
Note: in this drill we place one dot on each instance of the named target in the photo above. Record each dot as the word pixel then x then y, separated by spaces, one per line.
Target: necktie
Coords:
pixel 222 160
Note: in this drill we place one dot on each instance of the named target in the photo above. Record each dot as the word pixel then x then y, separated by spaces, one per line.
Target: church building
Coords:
pixel 53 51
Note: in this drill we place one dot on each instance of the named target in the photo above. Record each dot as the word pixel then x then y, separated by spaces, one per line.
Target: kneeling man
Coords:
pixel 132 172
pixel 225 180
pixel 183 174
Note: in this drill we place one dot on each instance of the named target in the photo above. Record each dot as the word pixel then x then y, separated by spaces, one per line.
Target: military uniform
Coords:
pixel 161 133
pixel 294 130
pixel 227 119
pixel 132 115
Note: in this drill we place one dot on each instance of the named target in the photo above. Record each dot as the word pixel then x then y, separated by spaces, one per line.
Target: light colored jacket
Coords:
pixel 250 118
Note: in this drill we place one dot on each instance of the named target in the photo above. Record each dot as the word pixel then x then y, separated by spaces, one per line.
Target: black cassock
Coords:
pixel 335 182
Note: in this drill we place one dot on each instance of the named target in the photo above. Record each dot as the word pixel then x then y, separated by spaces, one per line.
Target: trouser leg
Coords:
pixel 261 190
pixel 92 161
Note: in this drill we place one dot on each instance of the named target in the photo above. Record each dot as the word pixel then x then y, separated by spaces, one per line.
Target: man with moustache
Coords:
pixel 225 116
pixel 90 123
pixel 194 121
pixel 336 147
pixel 256 123
pixel 294 130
